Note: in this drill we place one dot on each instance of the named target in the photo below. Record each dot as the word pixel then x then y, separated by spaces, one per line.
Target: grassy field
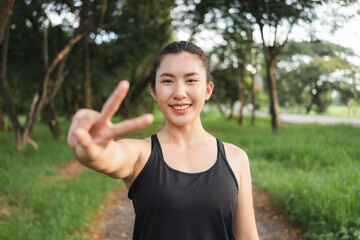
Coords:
pixel 312 170
pixel 34 203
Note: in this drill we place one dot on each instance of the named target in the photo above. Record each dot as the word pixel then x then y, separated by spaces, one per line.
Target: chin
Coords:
pixel 181 122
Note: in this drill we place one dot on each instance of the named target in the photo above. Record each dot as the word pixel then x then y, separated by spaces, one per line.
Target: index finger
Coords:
pixel 113 103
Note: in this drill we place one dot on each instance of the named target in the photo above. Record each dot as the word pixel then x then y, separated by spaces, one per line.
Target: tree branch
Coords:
pixel 5 6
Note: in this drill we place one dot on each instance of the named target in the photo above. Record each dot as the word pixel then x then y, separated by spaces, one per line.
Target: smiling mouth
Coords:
pixel 183 107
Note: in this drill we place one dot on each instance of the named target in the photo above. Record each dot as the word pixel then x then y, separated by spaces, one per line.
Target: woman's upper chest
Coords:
pixel 190 159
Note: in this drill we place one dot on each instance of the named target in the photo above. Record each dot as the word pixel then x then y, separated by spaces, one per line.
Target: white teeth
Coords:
pixel 181 107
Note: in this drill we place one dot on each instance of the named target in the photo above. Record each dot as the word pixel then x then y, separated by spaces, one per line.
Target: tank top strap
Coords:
pixel 154 151
pixel 154 142
pixel 223 156
pixel 156 147
pixel 221 148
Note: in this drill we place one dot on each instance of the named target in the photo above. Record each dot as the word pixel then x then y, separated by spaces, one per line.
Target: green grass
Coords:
pixel 45 209
pixel 311 170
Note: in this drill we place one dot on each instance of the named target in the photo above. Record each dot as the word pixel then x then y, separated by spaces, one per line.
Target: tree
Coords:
pixel 309 70
pixel 91 16
pixel 231 68
pixel 142 30
pixel 275 20
pixel 227 90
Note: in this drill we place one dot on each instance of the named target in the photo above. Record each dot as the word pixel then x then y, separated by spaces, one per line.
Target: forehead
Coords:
pixel 181 63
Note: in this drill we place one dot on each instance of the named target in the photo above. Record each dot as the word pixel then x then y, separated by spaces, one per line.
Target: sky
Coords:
pixel 348 35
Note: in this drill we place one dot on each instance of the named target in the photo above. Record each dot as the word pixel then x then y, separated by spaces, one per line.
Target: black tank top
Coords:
pixel 170 204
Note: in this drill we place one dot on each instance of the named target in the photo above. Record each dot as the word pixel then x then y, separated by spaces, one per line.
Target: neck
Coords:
pixel 183 135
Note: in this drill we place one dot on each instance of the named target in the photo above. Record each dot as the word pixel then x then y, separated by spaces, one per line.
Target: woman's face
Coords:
pixel 181 88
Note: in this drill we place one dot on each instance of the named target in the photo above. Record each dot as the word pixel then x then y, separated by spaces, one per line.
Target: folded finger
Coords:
pixel 86 146
pixel 85 119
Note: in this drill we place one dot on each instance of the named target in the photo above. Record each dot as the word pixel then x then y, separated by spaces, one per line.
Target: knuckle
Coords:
pixel 78 115
pixel 88 117
pixel 85 114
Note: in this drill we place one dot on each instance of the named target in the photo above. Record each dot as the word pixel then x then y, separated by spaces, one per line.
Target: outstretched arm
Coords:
pixel 92 134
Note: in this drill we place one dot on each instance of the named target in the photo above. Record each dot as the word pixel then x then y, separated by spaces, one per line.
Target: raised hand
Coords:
pixel 92 134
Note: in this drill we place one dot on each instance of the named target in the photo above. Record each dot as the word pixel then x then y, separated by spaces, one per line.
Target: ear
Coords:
pixel 153 94
pixel 209 90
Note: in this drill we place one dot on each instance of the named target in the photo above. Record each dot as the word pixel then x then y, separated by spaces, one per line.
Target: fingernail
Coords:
pixel 149 118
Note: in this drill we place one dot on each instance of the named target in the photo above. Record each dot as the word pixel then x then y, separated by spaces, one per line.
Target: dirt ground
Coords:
pixel 116 223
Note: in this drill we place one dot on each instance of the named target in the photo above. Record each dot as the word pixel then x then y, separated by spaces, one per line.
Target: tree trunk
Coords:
pixel 319 102
pixel 316 99
pixel 274 101
pixel 218 104
pixel 3 124
pixel 50 119
pixel 75 99
pixel 99 100
pixel 67 105
pixel 5 88
pixel 86 81
pixel 136 92
pixel 231 110
pixel 308 108
pixel 253 100
pixel 126 109
pixel 5 6
pixel 240 77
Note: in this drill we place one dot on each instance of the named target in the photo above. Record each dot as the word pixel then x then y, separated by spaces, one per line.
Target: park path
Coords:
pixel 116 223
pixel 303 118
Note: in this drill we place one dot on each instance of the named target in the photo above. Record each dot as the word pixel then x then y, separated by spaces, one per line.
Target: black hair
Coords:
pixel 176 48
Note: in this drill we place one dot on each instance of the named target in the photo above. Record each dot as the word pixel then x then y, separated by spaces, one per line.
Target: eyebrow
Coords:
pixel 186 75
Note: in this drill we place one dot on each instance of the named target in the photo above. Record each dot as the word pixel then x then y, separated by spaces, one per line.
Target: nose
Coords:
pixel 180 91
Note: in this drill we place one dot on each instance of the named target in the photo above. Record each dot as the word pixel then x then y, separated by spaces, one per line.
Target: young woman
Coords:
pixel 184 183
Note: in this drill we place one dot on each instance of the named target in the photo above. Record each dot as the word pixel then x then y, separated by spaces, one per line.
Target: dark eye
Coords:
pixel 191 81
pixel 166 81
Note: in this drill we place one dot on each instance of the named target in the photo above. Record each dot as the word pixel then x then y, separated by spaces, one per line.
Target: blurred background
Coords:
pixel 273 62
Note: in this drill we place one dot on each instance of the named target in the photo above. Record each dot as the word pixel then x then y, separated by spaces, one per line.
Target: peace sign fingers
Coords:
pixel 131 125
pixel 114 101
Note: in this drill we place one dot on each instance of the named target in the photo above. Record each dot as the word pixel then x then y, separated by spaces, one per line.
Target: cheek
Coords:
pixel 162 93
pixel 198 92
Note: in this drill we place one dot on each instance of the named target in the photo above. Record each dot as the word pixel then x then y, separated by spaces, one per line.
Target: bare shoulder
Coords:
pixel 237 158
pixel 234 153
pixel 138 149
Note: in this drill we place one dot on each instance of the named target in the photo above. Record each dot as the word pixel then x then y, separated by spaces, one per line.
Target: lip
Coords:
pixel 182 110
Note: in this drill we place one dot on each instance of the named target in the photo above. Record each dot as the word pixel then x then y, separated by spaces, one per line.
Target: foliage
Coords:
pixel 226 89
pixel 125 50
pixel 274 19
pixel 309 68
pixel 142 30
